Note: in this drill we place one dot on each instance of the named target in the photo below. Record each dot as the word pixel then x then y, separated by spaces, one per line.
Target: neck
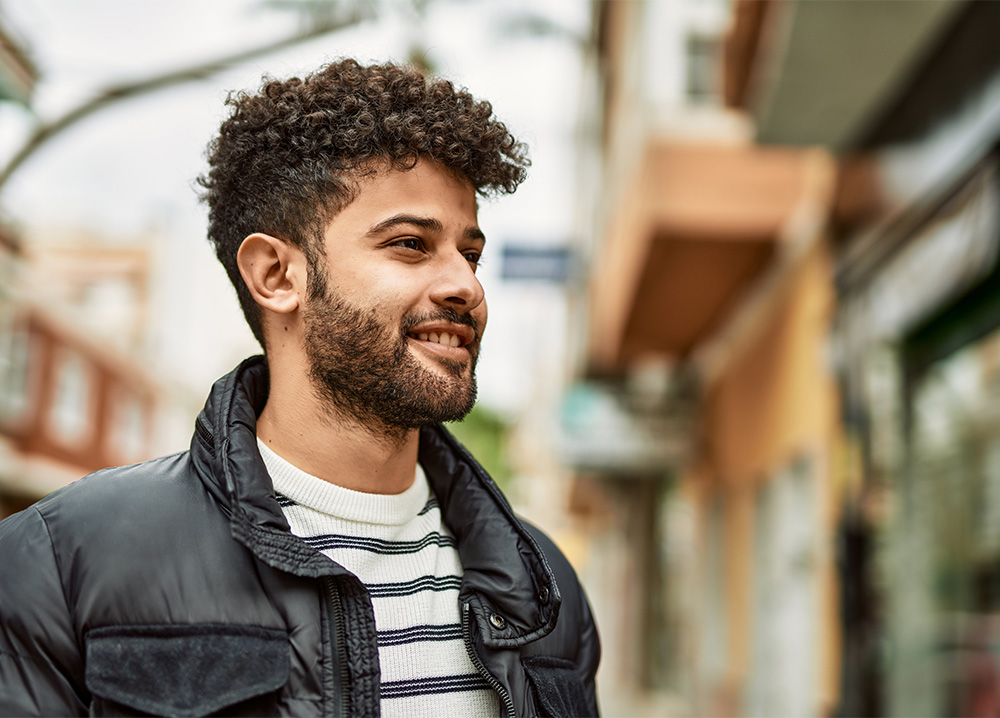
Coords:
pixel 304 430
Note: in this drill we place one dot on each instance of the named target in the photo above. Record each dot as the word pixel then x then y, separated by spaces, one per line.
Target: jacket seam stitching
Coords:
pixel 59 570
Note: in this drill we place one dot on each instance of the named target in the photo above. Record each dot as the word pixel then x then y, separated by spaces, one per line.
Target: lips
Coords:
pixel 449 340
pixel 446 334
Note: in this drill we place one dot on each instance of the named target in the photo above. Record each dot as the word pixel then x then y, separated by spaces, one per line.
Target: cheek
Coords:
pixel 377 291
pixel 480 314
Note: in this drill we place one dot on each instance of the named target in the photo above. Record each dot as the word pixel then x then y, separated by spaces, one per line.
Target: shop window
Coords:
pixel 956 473
pixel 953 504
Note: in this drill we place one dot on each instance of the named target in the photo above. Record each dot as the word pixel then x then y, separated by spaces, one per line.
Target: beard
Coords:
pixel 364 369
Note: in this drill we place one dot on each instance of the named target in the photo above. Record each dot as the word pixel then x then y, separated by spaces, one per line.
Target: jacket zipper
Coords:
pixel 337 640
pixel 204 432
pixel 477 662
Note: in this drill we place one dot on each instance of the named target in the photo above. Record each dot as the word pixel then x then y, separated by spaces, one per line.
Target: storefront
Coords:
pixel 918 348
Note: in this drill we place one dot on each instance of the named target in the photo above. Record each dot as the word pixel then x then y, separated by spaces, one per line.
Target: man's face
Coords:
pixel 392 331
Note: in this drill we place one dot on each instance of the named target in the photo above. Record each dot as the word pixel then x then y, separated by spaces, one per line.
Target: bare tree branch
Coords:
pixel 113 95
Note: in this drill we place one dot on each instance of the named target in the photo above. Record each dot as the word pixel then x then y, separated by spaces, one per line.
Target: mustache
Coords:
pixel 445 314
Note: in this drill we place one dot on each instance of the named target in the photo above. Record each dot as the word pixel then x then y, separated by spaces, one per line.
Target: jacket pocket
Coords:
pixel 559 689
pixel 184 670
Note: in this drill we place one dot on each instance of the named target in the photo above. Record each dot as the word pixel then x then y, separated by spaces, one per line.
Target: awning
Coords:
pixel 694 228
pixel 822 73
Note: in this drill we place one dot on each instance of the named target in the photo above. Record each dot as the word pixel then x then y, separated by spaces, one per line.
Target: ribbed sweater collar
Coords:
pixel 333 500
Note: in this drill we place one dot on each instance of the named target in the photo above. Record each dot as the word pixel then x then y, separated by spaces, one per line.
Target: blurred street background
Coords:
pixel 743 360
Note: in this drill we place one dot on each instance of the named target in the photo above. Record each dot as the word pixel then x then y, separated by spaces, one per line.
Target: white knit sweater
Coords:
pixel 401 551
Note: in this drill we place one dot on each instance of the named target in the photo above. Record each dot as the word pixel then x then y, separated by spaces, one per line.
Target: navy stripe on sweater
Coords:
pixel 429 686
pixel 408 588
pixel 419 634
pixel 432 503
pixel 374 545
pixel 283 501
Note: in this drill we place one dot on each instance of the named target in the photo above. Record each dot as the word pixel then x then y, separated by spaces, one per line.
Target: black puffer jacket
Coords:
pixel 174 587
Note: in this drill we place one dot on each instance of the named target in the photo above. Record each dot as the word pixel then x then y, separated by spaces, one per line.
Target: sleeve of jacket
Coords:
pixel 41 672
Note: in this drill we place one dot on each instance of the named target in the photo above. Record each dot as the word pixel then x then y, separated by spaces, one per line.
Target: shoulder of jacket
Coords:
pixel 132 488
pixel 575 637
pixel 566 578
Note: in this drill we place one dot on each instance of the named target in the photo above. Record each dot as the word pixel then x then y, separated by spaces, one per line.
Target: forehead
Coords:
pixel 427 189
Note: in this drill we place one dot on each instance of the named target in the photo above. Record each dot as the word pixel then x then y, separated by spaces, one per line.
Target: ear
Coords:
pixel 274 272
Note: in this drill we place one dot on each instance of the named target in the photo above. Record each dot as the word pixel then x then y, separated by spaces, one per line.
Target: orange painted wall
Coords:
pixel 776 400
pixel 777 396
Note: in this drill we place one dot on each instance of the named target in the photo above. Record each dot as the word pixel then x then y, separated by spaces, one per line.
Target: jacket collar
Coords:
pixel 506 576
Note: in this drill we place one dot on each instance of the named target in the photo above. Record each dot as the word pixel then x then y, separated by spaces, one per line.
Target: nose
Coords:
pixel 456 284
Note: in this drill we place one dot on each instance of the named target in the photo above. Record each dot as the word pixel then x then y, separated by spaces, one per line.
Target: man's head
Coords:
pixel 391 338
pixel 290 157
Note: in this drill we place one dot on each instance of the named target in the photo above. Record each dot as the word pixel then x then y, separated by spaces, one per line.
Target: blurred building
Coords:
pixel 908 97
pixel 795 321
pixel 74 394
pixel 75 391
pixel 711 297
pixel 916 337
pixel 68 405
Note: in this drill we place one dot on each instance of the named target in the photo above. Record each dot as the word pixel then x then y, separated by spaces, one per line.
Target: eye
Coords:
pixel 413 243
pixel 473 257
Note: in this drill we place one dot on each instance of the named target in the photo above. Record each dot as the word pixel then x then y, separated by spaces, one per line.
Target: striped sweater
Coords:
pixel 399 548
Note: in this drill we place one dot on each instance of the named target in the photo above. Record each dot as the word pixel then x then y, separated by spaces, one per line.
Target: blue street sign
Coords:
pixel 538 263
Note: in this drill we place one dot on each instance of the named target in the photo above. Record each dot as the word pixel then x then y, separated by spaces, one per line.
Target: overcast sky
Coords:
pixel 129 171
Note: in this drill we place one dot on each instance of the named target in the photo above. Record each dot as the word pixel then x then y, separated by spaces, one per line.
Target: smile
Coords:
pixel 443 335
pixel 448 340
pixel 457 345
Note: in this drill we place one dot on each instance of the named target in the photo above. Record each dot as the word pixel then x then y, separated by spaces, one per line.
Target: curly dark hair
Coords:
pixel 287 159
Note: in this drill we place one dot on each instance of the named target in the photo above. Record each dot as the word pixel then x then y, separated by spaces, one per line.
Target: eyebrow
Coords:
pixel 428 223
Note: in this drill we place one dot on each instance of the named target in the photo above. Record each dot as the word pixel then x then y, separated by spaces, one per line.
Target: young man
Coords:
pixel 325 547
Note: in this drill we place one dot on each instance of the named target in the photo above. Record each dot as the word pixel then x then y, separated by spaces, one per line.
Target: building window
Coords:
pixel 128 426
pixel 704 72
pixel 15 350
pixel 70 415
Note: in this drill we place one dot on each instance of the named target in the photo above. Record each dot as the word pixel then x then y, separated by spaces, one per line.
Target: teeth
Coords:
pixel 448 340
